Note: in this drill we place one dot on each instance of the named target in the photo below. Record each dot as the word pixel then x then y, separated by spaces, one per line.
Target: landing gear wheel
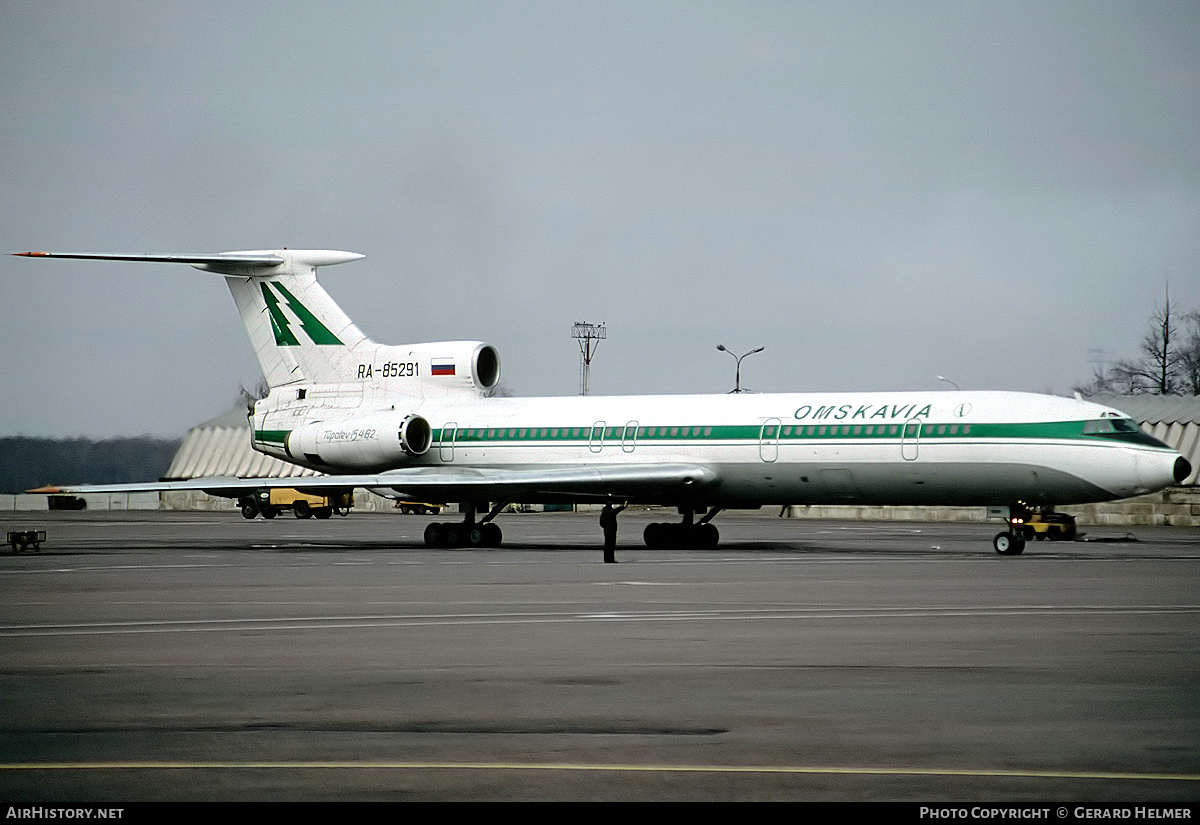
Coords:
pixel 475 536
pixel 671 536
pixel 492 536
pixel 456 535
pixel 435 534
pixel 707 536
pixel 665 536
pixel 654 535
pixel 1007 544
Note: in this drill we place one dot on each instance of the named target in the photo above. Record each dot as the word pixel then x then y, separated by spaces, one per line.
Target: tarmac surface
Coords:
pixel 199 656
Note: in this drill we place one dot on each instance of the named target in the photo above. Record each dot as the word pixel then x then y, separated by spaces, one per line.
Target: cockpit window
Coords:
pixel 1106 426
pixel 1120 429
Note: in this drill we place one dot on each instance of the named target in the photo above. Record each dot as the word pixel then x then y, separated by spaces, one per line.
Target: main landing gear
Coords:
pixel 468 533
pixel 684 535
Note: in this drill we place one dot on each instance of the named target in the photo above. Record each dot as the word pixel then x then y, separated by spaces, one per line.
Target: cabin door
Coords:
pixel 629 436
pixel 768 440
pixel 596 439
pixel 910 439
pixel 446 445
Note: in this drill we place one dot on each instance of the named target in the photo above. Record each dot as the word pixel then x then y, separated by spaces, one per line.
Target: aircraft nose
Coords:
pixel 1159 469
pixel 1183 469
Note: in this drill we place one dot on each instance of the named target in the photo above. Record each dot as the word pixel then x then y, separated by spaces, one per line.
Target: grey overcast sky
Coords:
pixel 876 192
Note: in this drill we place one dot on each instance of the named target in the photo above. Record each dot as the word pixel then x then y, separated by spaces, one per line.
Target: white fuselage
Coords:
pixel 949 448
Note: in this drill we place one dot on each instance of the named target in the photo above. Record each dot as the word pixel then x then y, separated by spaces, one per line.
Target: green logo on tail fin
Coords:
pixel 281 325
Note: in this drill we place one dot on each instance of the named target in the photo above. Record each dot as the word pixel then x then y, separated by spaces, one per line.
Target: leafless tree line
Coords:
pixel 1167 363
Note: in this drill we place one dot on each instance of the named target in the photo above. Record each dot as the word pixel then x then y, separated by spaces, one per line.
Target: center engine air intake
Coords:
pixel 487 366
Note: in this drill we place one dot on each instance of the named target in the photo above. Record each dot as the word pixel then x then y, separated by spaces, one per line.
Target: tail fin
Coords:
pixel 297 331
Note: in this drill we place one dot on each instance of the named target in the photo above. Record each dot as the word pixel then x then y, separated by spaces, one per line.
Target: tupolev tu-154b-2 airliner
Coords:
pixel 416 422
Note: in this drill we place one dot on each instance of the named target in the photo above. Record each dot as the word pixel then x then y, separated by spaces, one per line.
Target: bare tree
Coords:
pixel 1160 350
pixel 1168 362
pixel 1189 356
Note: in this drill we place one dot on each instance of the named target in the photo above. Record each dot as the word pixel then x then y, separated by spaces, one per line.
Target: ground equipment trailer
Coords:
pixel 22 540
pixel 270 502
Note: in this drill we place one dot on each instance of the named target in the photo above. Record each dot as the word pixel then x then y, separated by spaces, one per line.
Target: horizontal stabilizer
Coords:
pixel 229 263
pixel 256 259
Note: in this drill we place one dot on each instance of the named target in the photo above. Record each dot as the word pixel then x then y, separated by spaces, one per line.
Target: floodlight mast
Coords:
pixel 589 337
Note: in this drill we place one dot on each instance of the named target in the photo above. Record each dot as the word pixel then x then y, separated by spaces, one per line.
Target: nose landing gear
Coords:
pixel 1009 544
pixel 1029 522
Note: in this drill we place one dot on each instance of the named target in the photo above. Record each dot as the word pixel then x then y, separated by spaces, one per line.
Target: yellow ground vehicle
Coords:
pixel 421 508
pixel 271 502
pixel 1053 526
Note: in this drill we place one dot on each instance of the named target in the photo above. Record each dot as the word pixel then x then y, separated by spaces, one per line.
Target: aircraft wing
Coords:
pixel 640 482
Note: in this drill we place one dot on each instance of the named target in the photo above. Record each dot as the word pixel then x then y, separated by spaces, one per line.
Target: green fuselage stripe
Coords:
pixel 783 433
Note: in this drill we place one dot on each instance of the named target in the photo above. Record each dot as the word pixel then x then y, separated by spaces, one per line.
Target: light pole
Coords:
pixel 737 387
pixel 589 337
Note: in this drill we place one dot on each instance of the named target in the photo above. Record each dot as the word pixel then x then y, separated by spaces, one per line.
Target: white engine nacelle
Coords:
pixel 441 368
pixel 371 442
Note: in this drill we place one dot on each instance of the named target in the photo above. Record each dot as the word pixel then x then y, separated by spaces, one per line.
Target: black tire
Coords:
pixel 456 535
pixel 302 509
pixel 323 512
pixel 652 535
pixel 249 511
pixel 435 535
pixel 269 512
pixel 492 535
pixel 475 536
pixel 1007 544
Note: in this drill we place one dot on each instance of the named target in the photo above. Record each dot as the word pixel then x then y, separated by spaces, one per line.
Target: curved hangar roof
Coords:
pixel 221 447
